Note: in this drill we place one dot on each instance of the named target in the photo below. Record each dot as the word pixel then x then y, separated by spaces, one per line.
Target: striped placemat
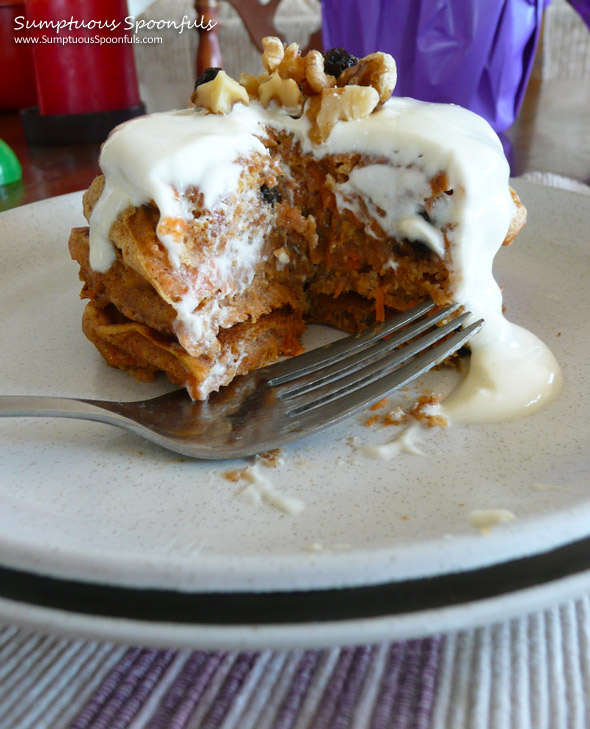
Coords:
pixel 528 673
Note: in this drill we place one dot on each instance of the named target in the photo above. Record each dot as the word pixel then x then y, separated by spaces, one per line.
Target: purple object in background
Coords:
pixel 583 8
pixel 468 52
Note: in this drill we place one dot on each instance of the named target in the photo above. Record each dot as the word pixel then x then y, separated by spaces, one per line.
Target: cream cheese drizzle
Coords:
pixel 407 441
pixel 156 158
pixel 260 489
pixel 507 379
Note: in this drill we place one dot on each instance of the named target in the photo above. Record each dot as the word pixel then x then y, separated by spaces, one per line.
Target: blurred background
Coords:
pixel 543 117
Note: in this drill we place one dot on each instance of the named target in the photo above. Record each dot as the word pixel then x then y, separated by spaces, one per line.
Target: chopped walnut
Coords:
pixel 350 102
pixel 293 64
pixel 295 81
pixel 284 90
pixel 314 73
pixel 251 82
pixel 377 70
pixel 273 53
pixel 220 95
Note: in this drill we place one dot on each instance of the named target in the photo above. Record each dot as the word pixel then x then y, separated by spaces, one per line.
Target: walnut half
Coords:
pixel 377 70
pixel 315 75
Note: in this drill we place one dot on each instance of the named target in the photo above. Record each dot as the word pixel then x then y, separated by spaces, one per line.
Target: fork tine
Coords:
pixel 364 358
pixel 315 359
pixel 368 389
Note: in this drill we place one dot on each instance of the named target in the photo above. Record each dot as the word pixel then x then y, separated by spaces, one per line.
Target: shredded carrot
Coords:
pixel 372 420
pixel 339 288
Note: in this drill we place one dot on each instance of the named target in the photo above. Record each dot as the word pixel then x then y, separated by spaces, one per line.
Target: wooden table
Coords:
pixel 551 134
pixel 47 171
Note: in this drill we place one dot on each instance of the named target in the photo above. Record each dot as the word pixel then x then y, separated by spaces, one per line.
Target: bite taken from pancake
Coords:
pixel 304 194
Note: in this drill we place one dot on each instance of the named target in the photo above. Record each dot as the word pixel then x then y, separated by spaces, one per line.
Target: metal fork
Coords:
pixel 283 402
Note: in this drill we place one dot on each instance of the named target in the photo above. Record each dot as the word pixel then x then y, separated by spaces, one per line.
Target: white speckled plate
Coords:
pixel 104 534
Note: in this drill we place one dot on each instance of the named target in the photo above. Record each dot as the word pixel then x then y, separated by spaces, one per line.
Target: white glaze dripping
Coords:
pixel 512 373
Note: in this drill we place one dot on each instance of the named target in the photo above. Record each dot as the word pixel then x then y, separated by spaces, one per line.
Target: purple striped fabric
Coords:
pixel 229 690
pixel 200 690
pixel 108 687
pixel 425 693
pixel 289 708
pixel 354 682
pixel 186 692
pixel 124 691
pixel 408 686
pixel 386 699
pixel 403 714
pixel 141 692
pixel 333 690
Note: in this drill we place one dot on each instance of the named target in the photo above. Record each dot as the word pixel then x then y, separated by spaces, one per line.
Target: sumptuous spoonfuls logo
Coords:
pixel 63 31
pixel 127 24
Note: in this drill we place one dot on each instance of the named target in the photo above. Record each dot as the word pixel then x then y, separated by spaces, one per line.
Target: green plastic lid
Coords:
pixel 10 169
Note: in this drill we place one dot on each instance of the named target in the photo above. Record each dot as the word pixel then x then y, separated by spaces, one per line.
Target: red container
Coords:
pixel 93 69
pixel 17 77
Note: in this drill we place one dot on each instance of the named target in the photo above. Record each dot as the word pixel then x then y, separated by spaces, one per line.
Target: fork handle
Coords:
pixel 54 407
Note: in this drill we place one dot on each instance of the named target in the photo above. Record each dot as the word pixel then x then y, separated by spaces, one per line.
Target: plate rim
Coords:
pixel 296 606
pixel 296 636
